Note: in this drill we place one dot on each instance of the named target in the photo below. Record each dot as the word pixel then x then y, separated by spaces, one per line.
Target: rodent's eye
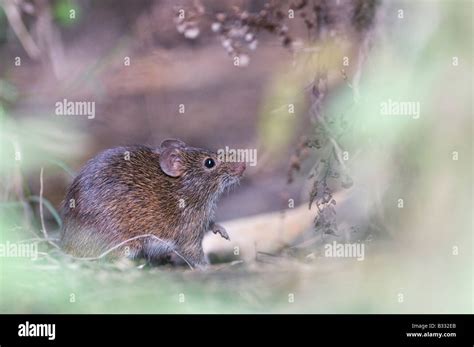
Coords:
pixel 209 163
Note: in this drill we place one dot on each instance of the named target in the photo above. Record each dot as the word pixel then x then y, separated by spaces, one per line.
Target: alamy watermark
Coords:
pixel 241 155
pixel 19 250
pixel 400 108
pixel 345 250
pixel 75 108
pixel 28 329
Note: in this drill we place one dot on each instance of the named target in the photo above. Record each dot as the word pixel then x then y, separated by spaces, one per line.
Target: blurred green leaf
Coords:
pixel 67 12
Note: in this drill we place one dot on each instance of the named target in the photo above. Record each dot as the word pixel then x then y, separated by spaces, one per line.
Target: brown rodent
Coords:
pixel 127 192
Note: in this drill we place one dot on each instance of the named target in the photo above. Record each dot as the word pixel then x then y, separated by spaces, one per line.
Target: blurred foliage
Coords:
pixel 62 12
pixel 8 92
pixel 3 26
pixel 37 140
pixel 277 125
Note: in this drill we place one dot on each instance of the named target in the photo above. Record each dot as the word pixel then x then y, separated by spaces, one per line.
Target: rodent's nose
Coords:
pixel 239 168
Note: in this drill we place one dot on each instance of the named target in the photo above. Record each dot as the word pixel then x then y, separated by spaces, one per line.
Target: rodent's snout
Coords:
pixel 238 168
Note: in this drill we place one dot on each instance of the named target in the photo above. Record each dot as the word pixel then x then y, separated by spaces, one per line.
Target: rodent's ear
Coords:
pixel 172 143
pixel 171 163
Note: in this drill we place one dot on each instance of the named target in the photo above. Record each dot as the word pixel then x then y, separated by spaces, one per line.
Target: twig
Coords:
pixel 49 40
pixel 14 18
pixel 37 239
pixel 337 152
pixel 362 57
pixel 43 225
pixel 18 184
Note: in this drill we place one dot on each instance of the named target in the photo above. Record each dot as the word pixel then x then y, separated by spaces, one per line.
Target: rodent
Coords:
pixel 168 191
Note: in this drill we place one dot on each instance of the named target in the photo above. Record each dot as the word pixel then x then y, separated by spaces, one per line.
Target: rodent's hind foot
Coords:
pixel 170 258
pixel 162 253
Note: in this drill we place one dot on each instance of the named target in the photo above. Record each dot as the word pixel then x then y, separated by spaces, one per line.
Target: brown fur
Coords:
pixel 118 199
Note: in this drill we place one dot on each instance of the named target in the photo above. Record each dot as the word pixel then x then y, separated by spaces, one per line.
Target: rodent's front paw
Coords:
pixel 219 229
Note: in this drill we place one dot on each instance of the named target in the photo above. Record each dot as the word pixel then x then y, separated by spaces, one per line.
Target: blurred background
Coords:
pixel 304 83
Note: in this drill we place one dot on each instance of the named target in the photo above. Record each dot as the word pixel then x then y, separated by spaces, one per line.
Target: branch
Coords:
pixel 14 18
